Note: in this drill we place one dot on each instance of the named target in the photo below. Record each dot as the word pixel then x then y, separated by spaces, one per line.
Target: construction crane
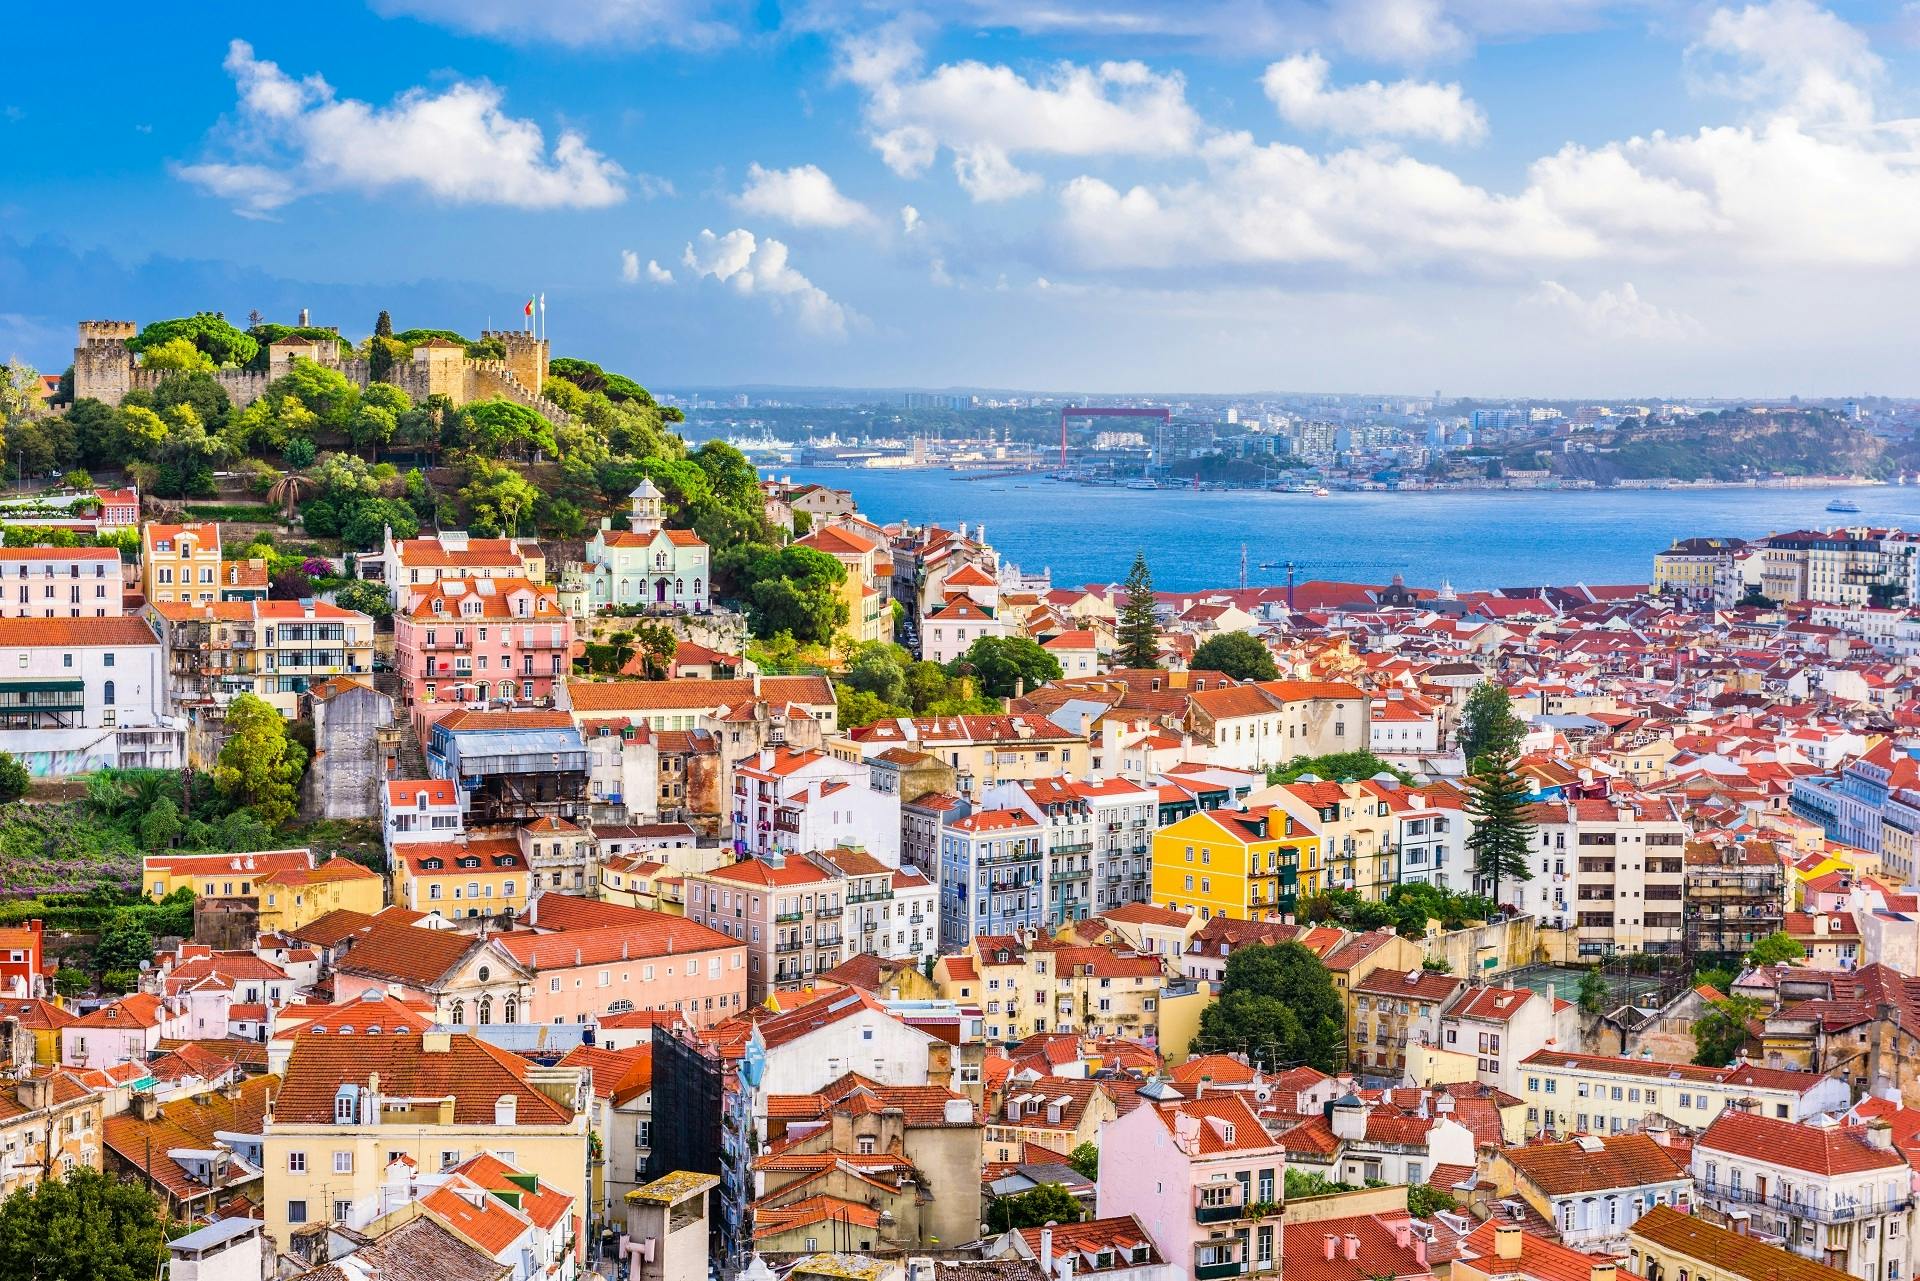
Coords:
pixel 1317 566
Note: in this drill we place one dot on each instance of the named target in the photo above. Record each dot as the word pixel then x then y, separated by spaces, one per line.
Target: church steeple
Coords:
pixel 645 516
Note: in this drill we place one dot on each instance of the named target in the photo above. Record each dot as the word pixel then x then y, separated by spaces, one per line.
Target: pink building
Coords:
pixel 649 961
pixel 129 1030
pixel 470 642
pixel 1203 1178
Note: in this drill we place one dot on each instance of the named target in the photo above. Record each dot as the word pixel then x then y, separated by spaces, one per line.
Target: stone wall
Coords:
pixel 104 369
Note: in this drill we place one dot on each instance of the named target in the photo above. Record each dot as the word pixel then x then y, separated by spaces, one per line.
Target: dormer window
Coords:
pixel 345 1101
pixel 1228 1135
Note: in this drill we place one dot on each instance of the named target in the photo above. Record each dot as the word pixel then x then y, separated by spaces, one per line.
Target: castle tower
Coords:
pixel 102 361
pixel 645 516
pixel 440 368
pixel 526 357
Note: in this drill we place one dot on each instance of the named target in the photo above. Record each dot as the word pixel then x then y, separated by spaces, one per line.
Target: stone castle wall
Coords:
pixel 104 369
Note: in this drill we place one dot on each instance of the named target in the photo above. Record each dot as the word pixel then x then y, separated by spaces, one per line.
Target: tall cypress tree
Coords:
pixel 1502 833
pixel 379 351
pixel 1139 630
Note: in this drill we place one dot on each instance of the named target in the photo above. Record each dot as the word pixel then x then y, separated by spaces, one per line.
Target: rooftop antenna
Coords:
pixel 1243 567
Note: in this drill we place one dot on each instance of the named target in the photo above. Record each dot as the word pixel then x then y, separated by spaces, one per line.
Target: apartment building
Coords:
pixel 1098 991
pixel 180 563
pixel 1666 1243
pixel 1203 1178
pixel 50 1125
pixel 1872 797
pixel 1430 831
pixel 1502 1026
pixel 867 589
pixel 85 694
pixel 1603 1094
pixel 1613 867
pixel 275 650
pixel 993 869
pixel 1593 1189
pixel 355 1102
pixel 891 914
pixel 1248 864
pixel 1390 1011
pixel 787 914
pixel 477 641
pixel 1692 567
pixel 1856 566
pixel 638 960
pixel 466 876
pixel 981 750
pixel 1834 1193
pixel 789 800
pixel 1355 823
pixel 420 809
pixel 1736 893
pixel 416 562
pixel 60 582
pixel 1100 840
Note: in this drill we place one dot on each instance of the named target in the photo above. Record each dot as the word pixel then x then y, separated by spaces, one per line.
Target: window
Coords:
pixel 296 1163
pixel 343 1162
pixel 296 1212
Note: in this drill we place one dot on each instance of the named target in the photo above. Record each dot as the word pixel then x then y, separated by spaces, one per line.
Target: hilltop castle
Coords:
pixel 105 368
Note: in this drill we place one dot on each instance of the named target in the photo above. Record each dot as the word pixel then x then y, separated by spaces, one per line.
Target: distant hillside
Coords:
pixel 1731 446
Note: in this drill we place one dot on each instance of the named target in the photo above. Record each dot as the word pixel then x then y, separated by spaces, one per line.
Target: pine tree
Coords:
pixel 1139 630
pixel 1488 725
pixel 380 350
pixel 1502 833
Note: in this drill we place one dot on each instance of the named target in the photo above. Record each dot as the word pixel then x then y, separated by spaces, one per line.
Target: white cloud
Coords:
pixel 1615 313
pixel 1397 30
pixel 1791 57
pixel 629 266
pixel 687 24
pixel 752 265
pixel 657 274
pixel 909 220
pixel 990 115
pixel 1298 89
pixel 803 196
pixel 1772 193
pixel 456 146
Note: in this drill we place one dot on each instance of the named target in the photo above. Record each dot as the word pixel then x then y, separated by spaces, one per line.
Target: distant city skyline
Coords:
pixel 1095 197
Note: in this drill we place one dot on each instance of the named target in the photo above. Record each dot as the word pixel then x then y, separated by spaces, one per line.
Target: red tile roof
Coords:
pixel 1827 1150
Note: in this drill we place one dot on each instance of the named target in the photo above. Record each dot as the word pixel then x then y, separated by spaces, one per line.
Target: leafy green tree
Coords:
pixel 69 982
pixel 377 416
pixel 654 644
pixel 1424 1201
pixel 1594 993
pixel 123 943
pixel 19 395
pixel 1719 1033
pixel 207 330
pixel 259 765
pixel 370 599
pixel 1306 1183
pixel 84 1226
pixel 1338 766
pixel 202 391
pixel 14 778
pixel 365 521
pixel 1774 948
pixel 160 826
pixel 1236 654
pixel 1278 1005
pixel 1139 628
pixel 1048 1203
pixel 1488 725
pixel 791 589
pixel 142 430
pixel 878 669
pixel 1085 1160
pixel 382 350
pixel 497 498
pixel 1502 833
pixel 177 354
pixel 1006 664
pixel 501 429
pixel 1717 977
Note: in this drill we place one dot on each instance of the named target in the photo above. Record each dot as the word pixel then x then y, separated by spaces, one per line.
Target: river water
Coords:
pixel 1475 539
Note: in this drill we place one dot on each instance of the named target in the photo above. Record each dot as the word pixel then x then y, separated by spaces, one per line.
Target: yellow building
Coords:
pixel 352 1104
pixel 1247 864
pixel 1690 568
pixel 180 563
pixel 295 896
pixel 216 875
pixel 482 877
pixel 1355 824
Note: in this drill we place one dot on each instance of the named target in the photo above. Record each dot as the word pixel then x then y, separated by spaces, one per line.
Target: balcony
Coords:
pixel 875 897
pixel 788 948
pixel 825 913
pixel 786 918
pixel 1798 1209
pixel 1209 1271
pixel 1216 1213
pixel 1078 847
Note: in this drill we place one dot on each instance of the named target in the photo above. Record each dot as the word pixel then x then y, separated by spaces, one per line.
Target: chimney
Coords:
pixel 1046 1248
pixel 436 1042
pixel 1401 1232
pixel 1352 1243
pixel 145 1105
pixel 1880 1134
pixel 1506 1241
pixel 1420 1252
pixel 1607 1271
pixel 1332 1244
pixel 34 1092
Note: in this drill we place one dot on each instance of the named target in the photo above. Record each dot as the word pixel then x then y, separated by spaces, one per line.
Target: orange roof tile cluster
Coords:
pixel 1593 1165
pixel 1817 1149
pixel 468 1070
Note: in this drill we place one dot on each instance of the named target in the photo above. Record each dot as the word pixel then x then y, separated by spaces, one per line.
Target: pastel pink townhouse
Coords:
pixel 1203 1178
pixel 473 642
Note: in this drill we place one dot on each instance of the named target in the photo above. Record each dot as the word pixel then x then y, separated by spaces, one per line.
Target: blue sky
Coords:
pixel 1520 197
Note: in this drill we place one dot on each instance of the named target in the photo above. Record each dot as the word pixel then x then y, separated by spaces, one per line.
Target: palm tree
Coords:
pixel 288 491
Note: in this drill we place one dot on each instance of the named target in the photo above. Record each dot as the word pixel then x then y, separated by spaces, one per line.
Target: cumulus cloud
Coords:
pixel 1299 91
pixel 759 266
pixel 686 24
pixel 296 137
pixel 1614 313
pixel 909 220
pixel 632 272
pixel 1791 57
pixel 988 116
pixel 1770 193
pixel 1397 30
pixel 803 196
pixel 657 274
